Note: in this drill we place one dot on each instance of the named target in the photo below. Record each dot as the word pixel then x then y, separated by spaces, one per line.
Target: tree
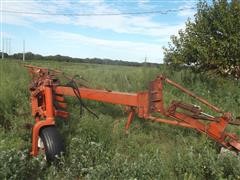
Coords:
pixel 211 42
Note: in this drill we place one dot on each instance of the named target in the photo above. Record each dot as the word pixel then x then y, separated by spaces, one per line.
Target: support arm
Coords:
pixel 114 97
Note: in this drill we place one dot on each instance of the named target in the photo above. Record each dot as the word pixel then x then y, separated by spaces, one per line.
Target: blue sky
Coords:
pixel 125 37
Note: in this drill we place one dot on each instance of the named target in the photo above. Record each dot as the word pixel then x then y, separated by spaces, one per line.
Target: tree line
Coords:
pixel 32 56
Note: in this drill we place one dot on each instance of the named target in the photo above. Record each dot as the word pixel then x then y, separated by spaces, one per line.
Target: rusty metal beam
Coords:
pixel 193 95
pixel 114 97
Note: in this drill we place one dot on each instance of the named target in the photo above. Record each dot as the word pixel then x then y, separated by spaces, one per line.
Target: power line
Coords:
pixel 100 14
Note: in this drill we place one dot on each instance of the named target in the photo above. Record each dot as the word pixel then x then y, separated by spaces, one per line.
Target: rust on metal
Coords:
pixel 48 102
pixel 193 95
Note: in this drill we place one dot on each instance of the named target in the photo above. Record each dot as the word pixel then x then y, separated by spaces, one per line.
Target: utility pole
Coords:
pixel 6 45
pixel 23 50
pixel 9 50
pixel 145 61
pixel 2 48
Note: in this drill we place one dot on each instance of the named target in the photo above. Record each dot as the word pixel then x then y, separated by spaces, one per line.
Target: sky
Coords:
pixel 75 28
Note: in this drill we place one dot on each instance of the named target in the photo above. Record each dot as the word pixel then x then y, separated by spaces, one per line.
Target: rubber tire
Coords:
pixel 53 142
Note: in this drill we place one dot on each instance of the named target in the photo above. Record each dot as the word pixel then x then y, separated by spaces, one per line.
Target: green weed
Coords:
pixel 99 148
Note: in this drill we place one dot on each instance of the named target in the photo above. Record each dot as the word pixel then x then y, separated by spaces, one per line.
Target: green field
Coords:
pixel 99 148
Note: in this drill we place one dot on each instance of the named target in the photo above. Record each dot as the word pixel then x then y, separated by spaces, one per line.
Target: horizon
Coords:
pixel 45 56
pixel 129 31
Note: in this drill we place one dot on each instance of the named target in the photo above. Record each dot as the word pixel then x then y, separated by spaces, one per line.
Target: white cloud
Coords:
pixel 33 6
pixel 117 49
pixel 142 3
pixel 8 35
pixel 188 12
pixel 141 25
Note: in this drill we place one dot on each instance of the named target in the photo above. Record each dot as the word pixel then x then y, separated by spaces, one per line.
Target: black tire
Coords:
pixel 53 143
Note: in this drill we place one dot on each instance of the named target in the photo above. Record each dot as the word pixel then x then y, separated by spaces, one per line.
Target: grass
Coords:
pixel 99 148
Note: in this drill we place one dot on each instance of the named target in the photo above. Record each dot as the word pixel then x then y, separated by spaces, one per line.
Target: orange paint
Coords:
pixel 47 95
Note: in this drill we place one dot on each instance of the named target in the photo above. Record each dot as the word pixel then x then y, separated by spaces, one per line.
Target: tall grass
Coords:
pixel 99 148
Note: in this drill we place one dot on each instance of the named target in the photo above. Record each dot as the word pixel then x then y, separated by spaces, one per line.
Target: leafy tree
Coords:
pixel 211 41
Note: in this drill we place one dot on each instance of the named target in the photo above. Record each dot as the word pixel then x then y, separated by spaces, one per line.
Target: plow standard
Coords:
pixel 47 102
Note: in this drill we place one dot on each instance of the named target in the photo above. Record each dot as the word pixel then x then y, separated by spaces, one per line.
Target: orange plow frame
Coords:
pixel 47 101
